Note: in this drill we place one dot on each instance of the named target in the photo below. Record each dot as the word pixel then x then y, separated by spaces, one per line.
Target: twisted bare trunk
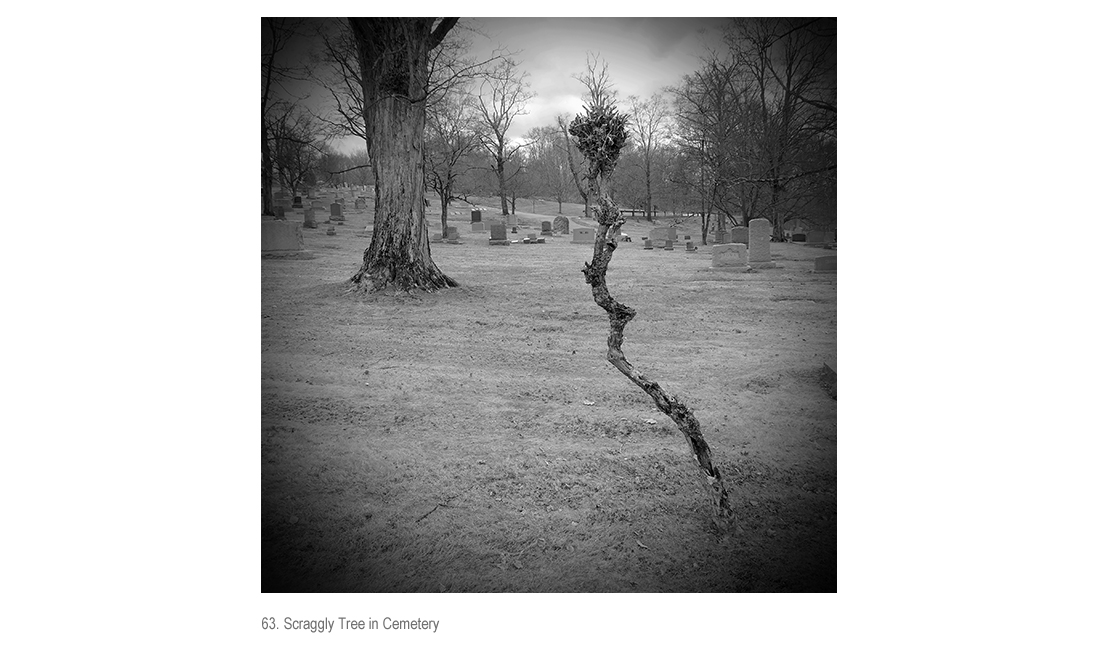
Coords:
pixel 609 223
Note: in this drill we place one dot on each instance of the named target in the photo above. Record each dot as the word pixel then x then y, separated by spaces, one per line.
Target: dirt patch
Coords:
pixel 477 439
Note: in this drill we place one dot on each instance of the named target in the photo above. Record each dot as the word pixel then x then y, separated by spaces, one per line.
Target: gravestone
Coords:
pixel 824 264
pixel 279 212
pixel 798 237
pixel 281 236
pixel 331 231
pixel 311 194
pixel 649 245
pixel 561 225
pixel 738 235
pixel 336 212
pixel 584 235
pixel 497 235
pixel 729 255
pixel 477 226
pixel 545 229
pixel 476 216
pixel 688 237
pixel 814 239
pixel 309 219
pixel 318 205
pixel 668 245
pixel 359 203
pixel 691 247
pixel 297 202
pixel 453 233
pixel 660 234
pixel 721 237
pixel 759 243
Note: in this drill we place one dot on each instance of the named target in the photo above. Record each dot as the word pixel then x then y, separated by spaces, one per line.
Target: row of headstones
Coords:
pixel 754 253
pixel 337 214
pixel 285 236
pixel 313 194
pixel 668 244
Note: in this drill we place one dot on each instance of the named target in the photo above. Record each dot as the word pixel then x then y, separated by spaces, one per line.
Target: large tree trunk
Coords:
pixel 394 64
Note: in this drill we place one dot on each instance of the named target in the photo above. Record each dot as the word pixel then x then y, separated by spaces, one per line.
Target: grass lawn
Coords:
pixel 477 440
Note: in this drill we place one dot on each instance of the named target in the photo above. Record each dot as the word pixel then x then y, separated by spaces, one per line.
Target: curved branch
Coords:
pixel 610 221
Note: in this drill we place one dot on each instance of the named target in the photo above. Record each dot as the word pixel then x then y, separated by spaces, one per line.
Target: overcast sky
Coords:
pixel 643 56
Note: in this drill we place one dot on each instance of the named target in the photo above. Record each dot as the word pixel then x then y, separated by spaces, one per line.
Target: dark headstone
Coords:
pixel 297 201
pixel 336 212
pixel 649 245
pixel 309 219
pixel 824 264
pixel 798 238
pixel 545 227
pixel 497 233
pixel 476 216
pixel 668 245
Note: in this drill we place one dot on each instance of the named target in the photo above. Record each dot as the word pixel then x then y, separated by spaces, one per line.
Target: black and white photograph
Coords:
pixel 529 334
pixel 548 305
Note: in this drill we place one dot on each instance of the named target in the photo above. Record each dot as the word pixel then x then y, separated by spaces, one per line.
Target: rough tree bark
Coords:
pixel 609 222
pixel 394 70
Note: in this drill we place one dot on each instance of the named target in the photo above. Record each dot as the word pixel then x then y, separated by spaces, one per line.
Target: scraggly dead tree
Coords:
pixel 601 133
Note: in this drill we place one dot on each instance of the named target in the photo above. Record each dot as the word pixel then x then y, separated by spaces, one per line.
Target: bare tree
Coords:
pixel 451 137
pixel 276 35
pixel 573 163
pixel 393 61
pixel 503 96
pixel 601 134
pixel 791 66
pixel 547 161
pixel 649 120
pixel 297 148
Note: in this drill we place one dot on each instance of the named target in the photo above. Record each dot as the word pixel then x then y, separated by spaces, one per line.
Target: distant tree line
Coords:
pixel 750 133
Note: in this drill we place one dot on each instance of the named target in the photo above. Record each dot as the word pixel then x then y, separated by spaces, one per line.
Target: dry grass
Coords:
pixel 442 442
